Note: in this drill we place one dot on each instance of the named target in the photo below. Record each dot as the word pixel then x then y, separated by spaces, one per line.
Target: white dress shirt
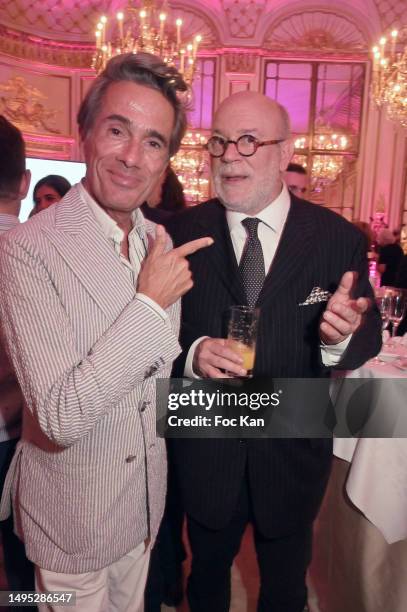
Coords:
pixel 138 244
pixel 273 219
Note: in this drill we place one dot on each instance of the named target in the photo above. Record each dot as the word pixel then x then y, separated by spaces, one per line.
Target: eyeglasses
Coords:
pixel 246 145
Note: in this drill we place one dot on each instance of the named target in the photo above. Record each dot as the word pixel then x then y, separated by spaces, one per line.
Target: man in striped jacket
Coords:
pixel 90 305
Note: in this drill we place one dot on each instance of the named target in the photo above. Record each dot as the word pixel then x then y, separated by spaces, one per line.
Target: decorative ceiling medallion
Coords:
pixel 23 105
pixel 393 13
pixel 243 16
pixel 318 31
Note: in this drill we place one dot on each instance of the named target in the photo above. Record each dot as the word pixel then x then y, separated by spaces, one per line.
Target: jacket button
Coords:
pixel 130 458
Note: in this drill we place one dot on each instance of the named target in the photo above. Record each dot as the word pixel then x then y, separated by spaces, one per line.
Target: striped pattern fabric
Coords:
pixel 287 476
pixel 89 476
pixel 10 394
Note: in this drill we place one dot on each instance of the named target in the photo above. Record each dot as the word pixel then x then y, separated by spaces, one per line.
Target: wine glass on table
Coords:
pixel 384 305
pixel 396 312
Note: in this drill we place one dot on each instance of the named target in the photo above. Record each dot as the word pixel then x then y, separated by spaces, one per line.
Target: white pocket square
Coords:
pixel 317 295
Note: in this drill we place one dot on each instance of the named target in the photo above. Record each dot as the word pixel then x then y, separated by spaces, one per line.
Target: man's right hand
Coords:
pixel 213 355
pixel 165 276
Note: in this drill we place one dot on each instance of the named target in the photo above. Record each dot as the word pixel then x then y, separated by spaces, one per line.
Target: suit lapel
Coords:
pixel 295 243
pixel 81 243
pixel 221 255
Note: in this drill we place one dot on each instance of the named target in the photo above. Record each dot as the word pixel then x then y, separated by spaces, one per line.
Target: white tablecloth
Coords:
pixel 377 479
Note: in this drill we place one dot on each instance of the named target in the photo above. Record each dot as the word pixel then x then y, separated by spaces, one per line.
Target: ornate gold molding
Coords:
pixel 244 63
pixel 24 106
pixel 19 44
pixel 57 148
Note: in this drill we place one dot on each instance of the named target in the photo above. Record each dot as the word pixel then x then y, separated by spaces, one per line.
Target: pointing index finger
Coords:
pixel 347 283
pixel 194 245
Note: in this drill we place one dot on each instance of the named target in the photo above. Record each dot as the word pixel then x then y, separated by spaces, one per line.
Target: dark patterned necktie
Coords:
pixel 252 262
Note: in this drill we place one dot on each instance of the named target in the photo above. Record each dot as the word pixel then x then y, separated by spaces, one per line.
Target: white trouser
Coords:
pixel 116 588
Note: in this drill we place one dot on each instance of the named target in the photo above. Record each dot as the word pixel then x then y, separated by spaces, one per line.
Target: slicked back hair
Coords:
pixel 143 69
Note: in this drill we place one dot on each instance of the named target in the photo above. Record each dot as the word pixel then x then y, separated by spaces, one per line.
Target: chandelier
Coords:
pixel 389 78
pixel 325 167
pixel 190 166
pixel 149 29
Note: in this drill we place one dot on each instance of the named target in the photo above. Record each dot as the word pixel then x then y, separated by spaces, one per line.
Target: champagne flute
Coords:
pixel 397 311
pixel 384 305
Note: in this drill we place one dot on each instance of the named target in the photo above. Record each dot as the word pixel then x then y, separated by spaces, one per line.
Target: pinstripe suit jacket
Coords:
pixel 287 477
pixel 89 477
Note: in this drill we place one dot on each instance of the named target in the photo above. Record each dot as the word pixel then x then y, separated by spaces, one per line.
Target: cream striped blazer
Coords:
pixel 88 479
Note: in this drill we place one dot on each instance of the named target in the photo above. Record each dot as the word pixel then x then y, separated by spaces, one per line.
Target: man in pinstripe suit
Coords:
pixel 305 251
pixel 89 307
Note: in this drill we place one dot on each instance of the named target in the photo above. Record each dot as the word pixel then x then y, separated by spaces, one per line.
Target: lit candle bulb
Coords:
pixel 178 23
pixel 197 40
pixel 382 43
pixel 393 43
pixel 99 28
pixel 98 38
pixel 143 15
pixel 103 21
pixel 189 50
pixel 120 18
pixel 182 61
pixel 376 60
pixel 163 17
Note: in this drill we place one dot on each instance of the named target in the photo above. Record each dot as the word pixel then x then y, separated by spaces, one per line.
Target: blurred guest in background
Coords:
pixel 401 277
pixel 367 231
pixel 390 255
pixel 296 179
pixel 48 191
pixel 401 283
pixel 14 184
pixel 166 199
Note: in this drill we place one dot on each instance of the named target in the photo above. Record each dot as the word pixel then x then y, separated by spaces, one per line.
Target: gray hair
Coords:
pixel 143 69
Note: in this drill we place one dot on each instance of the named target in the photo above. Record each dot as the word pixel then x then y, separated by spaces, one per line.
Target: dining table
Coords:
pixel 360 536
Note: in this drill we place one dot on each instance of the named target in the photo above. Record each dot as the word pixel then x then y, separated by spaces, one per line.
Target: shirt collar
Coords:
pixel 8 221
pixel 274 215
pixel 108 225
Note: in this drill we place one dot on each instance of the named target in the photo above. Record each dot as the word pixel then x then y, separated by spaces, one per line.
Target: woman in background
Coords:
pixel 48 191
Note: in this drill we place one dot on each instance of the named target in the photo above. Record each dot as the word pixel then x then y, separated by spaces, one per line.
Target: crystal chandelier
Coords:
pixel 190 165
pixel 326 167
pixel 149 29
pixel 389 78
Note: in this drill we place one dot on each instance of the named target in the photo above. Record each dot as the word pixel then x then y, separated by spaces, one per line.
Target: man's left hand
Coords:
pixel 343 315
